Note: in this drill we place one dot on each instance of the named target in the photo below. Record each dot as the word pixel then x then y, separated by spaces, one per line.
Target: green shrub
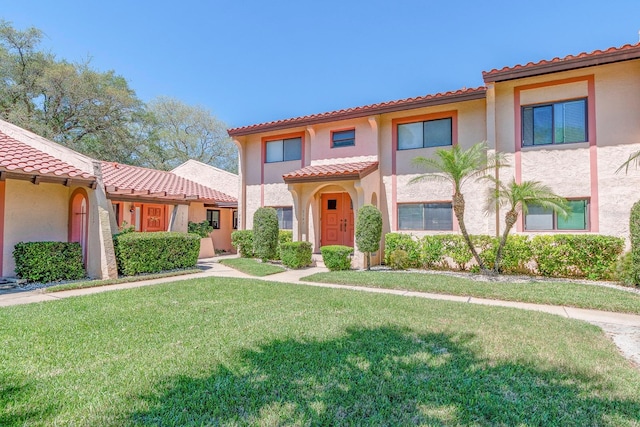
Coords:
pixel 242 240
pixel 625 271
pixel 48 261
pixel 457 250
pixel 368 231
pixel 399 260
pixel 407 243
pixel 153 252
pixel 336 257
pixel 577 255
pixel 516 255
pixel 295 254
pixel 284 236
pixel 634 232
pixel 202 229
pixel 265 233
pixel 432 251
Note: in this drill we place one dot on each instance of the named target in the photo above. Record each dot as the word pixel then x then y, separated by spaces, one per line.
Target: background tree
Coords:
pixel 458 166
pixel 518 198
pixel 181 132
pixel 368 231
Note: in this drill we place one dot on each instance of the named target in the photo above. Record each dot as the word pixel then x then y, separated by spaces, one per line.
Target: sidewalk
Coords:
pixel 623 329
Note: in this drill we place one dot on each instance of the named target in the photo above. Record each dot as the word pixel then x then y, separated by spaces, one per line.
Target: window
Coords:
pixel 284 150
pixel 343 138
pixel 425 216
pixel 213 217
pixel 557 123
pixel 541 219
pixel 234 221
pixel 285 218
pixel 116 211
pixel 431 133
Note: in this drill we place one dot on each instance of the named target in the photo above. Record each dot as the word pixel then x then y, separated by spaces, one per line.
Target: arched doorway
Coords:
pixel 79 219
pixel 337 219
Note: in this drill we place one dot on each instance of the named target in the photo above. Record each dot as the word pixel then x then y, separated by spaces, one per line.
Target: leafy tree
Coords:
pixel 458 166
pixel 72 104
pixel 176 132
pixel 368 231
pixel 518 198
pixel 265 233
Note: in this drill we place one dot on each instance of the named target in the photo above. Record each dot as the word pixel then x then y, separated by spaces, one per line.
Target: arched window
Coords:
pixel 79 219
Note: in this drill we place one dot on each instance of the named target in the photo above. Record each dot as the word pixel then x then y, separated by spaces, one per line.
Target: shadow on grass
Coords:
pixel 383 376
pixel 15 407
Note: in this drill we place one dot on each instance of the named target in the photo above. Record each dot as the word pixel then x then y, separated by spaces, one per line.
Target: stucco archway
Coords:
pixel 79 219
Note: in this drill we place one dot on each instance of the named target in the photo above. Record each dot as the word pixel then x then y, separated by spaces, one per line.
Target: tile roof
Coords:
pixel 366 110
pixel 570 62
pixel 340 171
pixel 137 181
pixel 20 158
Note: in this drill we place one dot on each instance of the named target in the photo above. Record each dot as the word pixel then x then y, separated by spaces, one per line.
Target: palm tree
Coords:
pixel 458 166
pixel 517 198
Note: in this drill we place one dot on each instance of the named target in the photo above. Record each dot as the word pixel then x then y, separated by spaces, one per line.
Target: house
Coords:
pixel 567 122
pixel 49 192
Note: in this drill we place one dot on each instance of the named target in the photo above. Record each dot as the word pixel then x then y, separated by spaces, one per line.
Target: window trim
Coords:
pixel 552 104
pixel 283 137
pixel 430 202
pixel 555 229
pixel 341 145
pixel 452 114
pixel 211 221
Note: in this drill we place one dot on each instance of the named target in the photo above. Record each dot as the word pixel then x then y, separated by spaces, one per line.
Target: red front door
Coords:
pixel 336 219
pixel 154 218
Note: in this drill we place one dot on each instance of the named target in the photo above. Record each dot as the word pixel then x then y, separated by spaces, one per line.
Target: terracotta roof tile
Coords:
pixel 569 62
pixel 366 110
pixel 122 179
pixel 18 157
pixel 336 171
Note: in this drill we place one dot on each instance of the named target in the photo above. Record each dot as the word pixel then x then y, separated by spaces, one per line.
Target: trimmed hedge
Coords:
pixel 202 229
pixel 242 240
pixel 265 233
pixel 561 255
pixel 295 254
pixel 634 230
pixel 154 252
pixel 336 257
pixel 48 261
pixel 284 236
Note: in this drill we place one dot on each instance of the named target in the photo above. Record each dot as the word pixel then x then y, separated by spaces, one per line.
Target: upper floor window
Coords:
pixel 541 219
pixel 430 133
pixel 425 216
pixel 343 138
pixel 556 123
pixel 213 217
pixel 284 150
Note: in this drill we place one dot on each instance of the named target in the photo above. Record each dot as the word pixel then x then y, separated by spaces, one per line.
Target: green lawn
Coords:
pixel 127 279
pixel 551 292
pixel 252 266
pixel 246 352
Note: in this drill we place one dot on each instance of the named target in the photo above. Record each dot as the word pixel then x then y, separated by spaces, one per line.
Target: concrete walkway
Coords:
pixel 623 329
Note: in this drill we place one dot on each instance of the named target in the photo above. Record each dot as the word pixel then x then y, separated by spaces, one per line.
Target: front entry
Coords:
pixel 336 219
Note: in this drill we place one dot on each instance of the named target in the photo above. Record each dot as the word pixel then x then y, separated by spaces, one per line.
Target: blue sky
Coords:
pixel 255 61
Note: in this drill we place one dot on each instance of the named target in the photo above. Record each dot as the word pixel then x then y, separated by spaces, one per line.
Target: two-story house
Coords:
pixel 568 122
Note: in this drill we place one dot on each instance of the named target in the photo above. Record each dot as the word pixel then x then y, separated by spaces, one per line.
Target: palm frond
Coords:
pixel 633 158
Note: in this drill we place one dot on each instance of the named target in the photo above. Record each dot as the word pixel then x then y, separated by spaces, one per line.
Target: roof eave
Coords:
pixel 470 95
pixel 554 67
pixel 36 178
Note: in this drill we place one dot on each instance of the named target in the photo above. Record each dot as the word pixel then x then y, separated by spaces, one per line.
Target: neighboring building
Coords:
pixel 569 123
pixel 153 200
pixel 207 175
pixel 51 193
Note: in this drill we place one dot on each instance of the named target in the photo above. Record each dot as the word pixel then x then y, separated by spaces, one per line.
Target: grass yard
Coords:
pixel 246 352
pixel 553 293
pixel 127 279
pixel 252 266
